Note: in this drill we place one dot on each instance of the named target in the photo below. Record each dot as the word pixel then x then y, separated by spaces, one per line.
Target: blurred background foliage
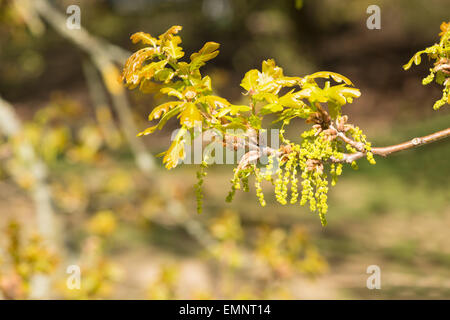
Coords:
pixel 136 236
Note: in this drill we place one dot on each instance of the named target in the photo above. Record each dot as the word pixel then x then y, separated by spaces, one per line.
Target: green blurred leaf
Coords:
pixel 298 4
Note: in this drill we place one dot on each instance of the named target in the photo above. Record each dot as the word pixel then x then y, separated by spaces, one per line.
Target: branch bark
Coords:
pixel 385 151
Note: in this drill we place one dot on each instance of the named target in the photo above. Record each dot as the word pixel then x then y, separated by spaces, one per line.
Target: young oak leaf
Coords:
pixel 207 52
pixel 148 86
pixel 338 96
pixel 265 96
pixel 250 80
pixel 270 80
pixel 170 47
pixel 134 64
pixel 147 131
pixel 190 116
pixel 341 94
pixel 148 71
pixel 145 38
pixel 169 34
pixel 176 150
pixel 445 27
pixel 163 108
pixel 164 75
pixel 172 92
pixel 270 69
pixel 326 75
pixel 233 110
pixel 168 115
pixel 289 100
pixel 214 102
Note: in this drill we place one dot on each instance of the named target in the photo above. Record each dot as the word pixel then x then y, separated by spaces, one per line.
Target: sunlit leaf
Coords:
pixel 208 52
pixel 265 96
pixel 163 108
pixel 170 33
pixel 190 116
pixel 255 121
pixel 172 92
pixel 327 74
pixel 176 152
pixel 164 75
pixel 270 69
pixel 134 64
pixel 147 131
pixel 271 108
pixel 148 86
pixel 149 70
pixel 145 38
pixel 171 48
pixel 214 101
pixel 290 100
pixel 250 80
pixel 233 110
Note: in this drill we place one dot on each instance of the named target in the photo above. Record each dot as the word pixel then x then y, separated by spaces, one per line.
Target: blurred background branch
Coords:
pixel 11 127
pixel 104 55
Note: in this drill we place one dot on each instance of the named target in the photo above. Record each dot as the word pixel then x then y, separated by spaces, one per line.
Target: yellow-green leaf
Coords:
pixel 149 70
pixel 176 150
pixel 214 101
pixel 290 100
pixel 190 116
pixel 271 108
pixel 327 74
pixel 145 38
pixel 172 92
pixel 134 64
pixel 171 48
pixel 269 97
pixel 270 69
pixel 163 108
pixel 233 110
pixel 148 86
pixel 164 75
pixel 250 80
pixel 208 52
pixel 147 131
pixel 170 32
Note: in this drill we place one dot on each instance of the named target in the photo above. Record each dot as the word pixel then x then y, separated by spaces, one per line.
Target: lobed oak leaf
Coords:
pixel 207 52
pixel 190 116
pixel 145 38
